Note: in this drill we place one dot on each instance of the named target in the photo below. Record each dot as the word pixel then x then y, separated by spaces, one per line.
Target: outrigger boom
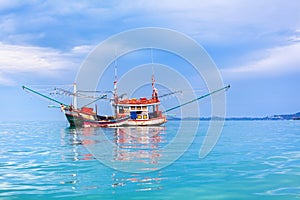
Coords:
pixel 42 95
pixel 201 97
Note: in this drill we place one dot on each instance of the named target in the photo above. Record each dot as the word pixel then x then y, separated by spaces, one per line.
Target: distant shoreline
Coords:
pixel 295 116
pixel 228 119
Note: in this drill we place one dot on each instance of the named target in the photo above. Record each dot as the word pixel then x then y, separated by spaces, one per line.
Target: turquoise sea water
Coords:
pixel 47 160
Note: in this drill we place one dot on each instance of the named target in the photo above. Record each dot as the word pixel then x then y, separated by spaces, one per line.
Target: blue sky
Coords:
pixel 255 44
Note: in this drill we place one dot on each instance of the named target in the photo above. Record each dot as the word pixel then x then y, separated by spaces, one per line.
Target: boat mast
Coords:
pixel 153 79
pixel 75 96
pixel 154 90
pixel 115 86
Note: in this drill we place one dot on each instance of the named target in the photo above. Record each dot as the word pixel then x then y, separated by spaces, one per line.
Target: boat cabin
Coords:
pixel 138 109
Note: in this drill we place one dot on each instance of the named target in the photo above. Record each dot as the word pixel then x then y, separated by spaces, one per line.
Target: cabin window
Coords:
pixel 126 109
pixel 144 107
pixel 132 107
pixel 151 109
pixel 139 112
pixel 121 109
pixel 138 107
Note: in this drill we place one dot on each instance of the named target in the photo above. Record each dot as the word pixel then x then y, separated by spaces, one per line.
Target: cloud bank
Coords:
pixel 37 61
pixel 46 37
pixel 277 61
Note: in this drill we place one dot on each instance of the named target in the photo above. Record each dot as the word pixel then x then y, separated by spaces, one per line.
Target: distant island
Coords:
pixel 295 116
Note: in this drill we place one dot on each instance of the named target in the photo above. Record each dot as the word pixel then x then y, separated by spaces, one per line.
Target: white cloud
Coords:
pixel 218 20
pixel 213 21
pixel 273 62
pixel 232 22
pixel 83 49
pixel 38 61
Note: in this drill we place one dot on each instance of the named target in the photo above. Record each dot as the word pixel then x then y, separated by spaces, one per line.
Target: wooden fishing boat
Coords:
pixel 127 112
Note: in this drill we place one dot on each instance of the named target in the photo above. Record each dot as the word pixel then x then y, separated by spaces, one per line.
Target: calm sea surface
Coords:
pixel 47 160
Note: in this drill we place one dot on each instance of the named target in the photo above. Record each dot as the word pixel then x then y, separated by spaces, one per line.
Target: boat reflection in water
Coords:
pixel 138 144
pixel 129 151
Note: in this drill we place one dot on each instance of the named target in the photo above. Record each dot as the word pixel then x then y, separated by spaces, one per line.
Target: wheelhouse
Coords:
pixel 138 109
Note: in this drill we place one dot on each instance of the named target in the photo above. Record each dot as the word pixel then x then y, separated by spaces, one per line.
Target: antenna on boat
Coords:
pixel 75 95
pixel 116 78
pixel 115 85
pixel 154 90
pixel 152 66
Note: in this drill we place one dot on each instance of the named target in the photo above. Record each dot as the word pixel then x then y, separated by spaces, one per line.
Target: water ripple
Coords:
pixel 46 160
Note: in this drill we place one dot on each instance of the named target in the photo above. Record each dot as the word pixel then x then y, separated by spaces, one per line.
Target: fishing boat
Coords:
pixel 127 111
